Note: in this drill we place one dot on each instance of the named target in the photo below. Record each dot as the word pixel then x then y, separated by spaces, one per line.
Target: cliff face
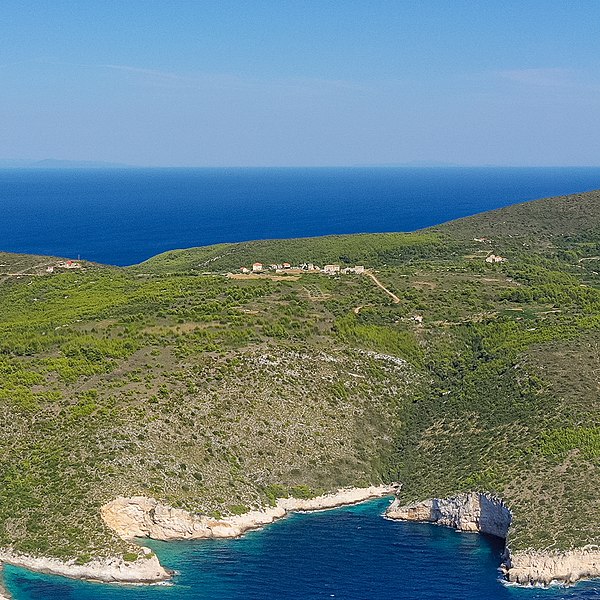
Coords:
pixel 543 568
pixel 139 516
pixel 485 514
pixel 466 512
pixel 109 570
pixel 146 517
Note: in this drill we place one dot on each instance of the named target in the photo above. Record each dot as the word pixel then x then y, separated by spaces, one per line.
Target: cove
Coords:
pixel 351 553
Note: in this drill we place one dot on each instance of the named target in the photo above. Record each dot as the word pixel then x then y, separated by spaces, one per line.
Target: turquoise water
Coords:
pixel 349 553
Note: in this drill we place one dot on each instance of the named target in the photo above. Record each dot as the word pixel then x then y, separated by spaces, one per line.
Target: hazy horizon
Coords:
pixel 301 84
pixel 51 163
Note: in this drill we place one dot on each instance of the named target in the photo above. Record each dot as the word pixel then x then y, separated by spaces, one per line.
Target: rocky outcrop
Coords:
pixel 485 514
pixel 145 517
pixel 140 516
pixel 465 512
pixel 547 567
pixel 145 569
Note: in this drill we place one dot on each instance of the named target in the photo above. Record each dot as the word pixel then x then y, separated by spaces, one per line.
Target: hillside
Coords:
pixel 217 394
pixel 569 220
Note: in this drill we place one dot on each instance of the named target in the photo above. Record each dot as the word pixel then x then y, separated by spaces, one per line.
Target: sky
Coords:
pixel 301 83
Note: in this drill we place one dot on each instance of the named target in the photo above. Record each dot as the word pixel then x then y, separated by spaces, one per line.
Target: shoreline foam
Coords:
pixel 145 569
pixel 531 568
pixel 144 517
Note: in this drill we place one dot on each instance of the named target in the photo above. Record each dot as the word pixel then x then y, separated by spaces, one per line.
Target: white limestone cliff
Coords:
pixel 145 569
pixel 466 512
pixel 145 517
pixel 544 568
pixel 485 514
pixel 140 516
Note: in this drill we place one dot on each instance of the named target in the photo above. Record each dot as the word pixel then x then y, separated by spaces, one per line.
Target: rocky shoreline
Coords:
pixel 145 569
pixel 146 517
pixel 466 512
pixel 483 513
pixel 140 516
pixel 534 568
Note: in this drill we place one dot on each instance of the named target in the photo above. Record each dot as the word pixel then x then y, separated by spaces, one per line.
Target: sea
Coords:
pixel 350 553
pixel 123 216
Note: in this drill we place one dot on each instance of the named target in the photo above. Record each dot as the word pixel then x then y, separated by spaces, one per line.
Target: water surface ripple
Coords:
pixel 349 553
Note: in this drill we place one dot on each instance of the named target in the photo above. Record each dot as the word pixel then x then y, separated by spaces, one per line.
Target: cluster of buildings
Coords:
pixel 64 264
pixel 305 267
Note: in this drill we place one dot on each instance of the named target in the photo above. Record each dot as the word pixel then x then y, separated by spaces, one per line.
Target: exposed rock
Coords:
pixel 544 568
pixel 146 569
pixel 486 514
pixel 140 516
pixel 145 517
pixel 466 512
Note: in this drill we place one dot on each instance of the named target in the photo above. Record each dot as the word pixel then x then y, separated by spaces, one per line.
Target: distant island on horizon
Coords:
pixel 54 163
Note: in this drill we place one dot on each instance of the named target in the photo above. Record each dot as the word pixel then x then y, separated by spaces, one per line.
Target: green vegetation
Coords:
pixel 560 442
pixel 368 249
pixel 220 394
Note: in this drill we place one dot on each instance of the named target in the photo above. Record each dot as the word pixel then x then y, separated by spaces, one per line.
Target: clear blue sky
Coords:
pixel 283 82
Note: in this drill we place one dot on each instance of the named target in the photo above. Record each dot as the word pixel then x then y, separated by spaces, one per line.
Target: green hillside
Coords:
pixel 216 393
pixel 372 249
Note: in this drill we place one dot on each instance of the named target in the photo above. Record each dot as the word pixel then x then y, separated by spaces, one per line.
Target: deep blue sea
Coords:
pixel 125 216
pixel 347 554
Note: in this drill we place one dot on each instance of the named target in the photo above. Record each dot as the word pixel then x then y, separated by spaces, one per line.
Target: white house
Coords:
pixel 331 269
pixel 493 258
pixel 257 267
pixel 69 265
